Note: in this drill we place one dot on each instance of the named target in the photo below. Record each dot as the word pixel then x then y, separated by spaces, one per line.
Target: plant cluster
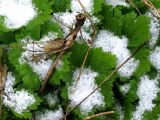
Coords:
pixel 133 92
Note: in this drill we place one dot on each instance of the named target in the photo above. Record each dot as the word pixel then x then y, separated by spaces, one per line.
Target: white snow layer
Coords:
pixel 41 67
pixel 49 115
pixel 117 46
pixel 17 100
pixel 76 7
pixel 17 12
pixel 147 92
pixel 155 58
pixel 125 88
pixel 117 2
pixel 154 29
pixel 82 88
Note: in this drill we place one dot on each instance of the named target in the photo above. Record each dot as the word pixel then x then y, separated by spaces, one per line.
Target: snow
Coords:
pixel 49 115
pixel 125 88
pixel 117 2
pixel 155 58
pixel 17 100
pixel 147 92
pixel 154 29
pixel 82 88
pixel 41 67
pixel 117 46
pixel 69 19
pixel 51 99
pixel 75 6
pixel 17 12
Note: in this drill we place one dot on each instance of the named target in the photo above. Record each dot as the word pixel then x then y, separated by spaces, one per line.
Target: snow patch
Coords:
pixel 117 2
pixel 82 88
pixel 17 100
pixel 41 67
pixel 17 12
pixel 155 58
pixel 69 19
pixel 76 7
pixel 147 92
pixel 154 30
pixel 49 115
pixel 125 88
pixel 117 46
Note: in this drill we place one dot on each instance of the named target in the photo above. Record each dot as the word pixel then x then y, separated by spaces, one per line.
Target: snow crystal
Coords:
pixel 17 100
pixel 154 30
pixel 49 115
pixel 41 67
pixel 155 58
pixel 147 92
pixel 117 2
pixel 75 6
pixel 111 43
pixel 51 99
pixel 17 12
pixel 83 87
pixel 125 88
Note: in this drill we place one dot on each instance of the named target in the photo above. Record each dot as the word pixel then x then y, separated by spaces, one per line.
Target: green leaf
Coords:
pixel 61 5
pixel 106 89
pixel 98 60
pixel 136 36
pixel 51 27
pixel 113 19
pixel 63 72
pixel 98 6
pixel 144 65
pixel 30 79
pixel 24 70
pixel 129 100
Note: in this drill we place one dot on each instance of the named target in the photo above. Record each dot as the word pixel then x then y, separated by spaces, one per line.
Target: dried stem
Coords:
pixel 99 114
pixel 50 71
pixel 155 11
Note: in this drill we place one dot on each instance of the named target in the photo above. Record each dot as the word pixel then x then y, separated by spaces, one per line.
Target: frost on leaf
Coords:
pixel 19 101
pixel 41 67
pixel 154 30
pixel 117 2
pixel 75 6
pixel 83 87
pixel 155 58
pixel 49 115
pixel 125 88
pixel 17 12
pixel 111 43
pixel 147 92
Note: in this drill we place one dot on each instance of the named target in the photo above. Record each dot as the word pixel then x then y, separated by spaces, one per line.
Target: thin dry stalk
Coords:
pixel 155 11
pixel 132 3
pixel 50 71
pixel 99 114
pixel 93 38
pixel 3 73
